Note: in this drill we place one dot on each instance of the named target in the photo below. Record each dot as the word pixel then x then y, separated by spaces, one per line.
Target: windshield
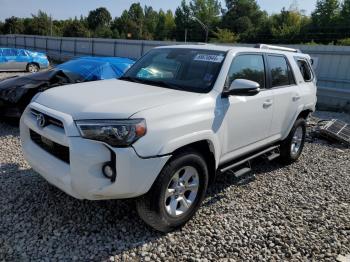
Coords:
pixel 185 69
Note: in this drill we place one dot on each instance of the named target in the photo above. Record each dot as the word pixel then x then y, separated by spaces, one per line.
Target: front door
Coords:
pixel 248 118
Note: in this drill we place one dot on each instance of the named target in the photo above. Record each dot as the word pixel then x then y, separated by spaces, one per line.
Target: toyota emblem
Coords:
pixel 40 120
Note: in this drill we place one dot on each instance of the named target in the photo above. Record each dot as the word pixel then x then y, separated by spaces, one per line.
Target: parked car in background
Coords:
pixel 177 118
pixel 16 92
pixel 12 59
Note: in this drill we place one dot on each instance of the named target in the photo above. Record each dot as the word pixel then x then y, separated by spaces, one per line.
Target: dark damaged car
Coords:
pixel 16 92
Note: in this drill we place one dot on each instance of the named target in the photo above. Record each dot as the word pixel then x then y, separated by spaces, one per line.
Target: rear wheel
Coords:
pixel 292 146
pixel 32 68
pixel 176 194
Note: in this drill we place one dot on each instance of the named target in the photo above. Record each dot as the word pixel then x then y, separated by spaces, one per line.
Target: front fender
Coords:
pixel 188 139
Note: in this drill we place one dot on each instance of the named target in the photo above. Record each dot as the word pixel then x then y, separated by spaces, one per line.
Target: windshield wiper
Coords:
pixel 151 82
pixel 161 83
pixel 130 79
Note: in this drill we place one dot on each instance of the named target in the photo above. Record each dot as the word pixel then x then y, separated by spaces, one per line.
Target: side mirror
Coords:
pixel 243 87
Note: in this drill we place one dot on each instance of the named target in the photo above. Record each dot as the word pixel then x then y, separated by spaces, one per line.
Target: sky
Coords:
pixel 62 9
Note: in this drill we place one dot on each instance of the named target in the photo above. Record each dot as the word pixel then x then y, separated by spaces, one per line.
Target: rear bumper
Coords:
pixel 82 177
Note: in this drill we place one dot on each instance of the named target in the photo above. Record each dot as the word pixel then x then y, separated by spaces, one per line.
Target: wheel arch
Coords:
pixel 206 149
pixel 302 113
pixel 33 63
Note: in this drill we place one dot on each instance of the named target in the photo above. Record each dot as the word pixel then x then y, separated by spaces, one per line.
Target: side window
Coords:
pixel 281 73
pixel 305 70
pixel 250 67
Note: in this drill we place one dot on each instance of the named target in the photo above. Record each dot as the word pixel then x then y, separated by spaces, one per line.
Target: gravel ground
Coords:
pixel 298 213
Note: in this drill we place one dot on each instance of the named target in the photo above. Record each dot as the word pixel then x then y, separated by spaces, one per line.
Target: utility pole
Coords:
pixel 205 27
pixel 186 35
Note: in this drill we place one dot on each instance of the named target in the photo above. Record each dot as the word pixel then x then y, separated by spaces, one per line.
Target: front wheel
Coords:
pixel 292 147
pixel 176 194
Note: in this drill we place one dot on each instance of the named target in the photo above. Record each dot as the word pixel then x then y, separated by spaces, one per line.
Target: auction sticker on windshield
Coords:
pixel 209 58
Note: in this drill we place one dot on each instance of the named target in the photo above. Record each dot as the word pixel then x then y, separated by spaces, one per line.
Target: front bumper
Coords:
pixel 82 177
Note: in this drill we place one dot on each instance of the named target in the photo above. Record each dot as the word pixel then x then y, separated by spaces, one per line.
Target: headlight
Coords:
pixel 116 133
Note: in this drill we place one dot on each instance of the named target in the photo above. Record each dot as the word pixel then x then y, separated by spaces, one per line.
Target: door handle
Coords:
pixel 267 103
pixel 296 98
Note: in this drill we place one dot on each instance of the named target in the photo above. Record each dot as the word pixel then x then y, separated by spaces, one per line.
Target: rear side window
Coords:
pixel 305 70
pixel 249 67
pixel 281 73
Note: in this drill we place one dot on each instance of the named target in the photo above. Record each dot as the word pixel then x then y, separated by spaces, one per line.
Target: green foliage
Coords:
pixel 243 17
pixel 99 18
pixel 241 20
pixel 187 16
pixel 225 36
pixel 75 28
pixel 13 25
pixel 345 41
pixel 288 25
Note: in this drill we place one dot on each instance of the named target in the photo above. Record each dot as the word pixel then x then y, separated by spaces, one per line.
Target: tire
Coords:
pixel 157 209
pixel 292 147
pixel 33 68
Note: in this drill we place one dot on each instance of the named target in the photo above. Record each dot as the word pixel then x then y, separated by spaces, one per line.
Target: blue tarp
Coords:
pixel 97 68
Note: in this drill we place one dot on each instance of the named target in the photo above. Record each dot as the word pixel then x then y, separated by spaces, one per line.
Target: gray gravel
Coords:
pixel 299 213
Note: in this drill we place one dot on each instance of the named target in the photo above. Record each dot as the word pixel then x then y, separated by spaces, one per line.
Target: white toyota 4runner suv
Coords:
pixel 177 118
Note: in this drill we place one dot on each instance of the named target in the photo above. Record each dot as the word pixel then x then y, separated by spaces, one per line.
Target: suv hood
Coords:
pixel 108 99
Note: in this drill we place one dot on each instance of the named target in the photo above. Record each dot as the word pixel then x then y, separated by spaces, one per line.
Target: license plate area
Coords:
pixel 59 151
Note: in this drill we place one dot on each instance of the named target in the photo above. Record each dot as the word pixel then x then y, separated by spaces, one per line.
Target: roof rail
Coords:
pixel 280 48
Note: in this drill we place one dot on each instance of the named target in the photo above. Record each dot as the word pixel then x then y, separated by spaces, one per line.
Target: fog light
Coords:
pixel 108 171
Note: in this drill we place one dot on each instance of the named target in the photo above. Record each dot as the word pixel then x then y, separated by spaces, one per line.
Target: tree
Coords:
pixel 243 17
pixel 225 36
pixel 206 11
pixel 345 18
pixel 99 18
pixel 150 22
pixel 74 28
pixel 136 17
pixel 324 20
pixel 40 24
pixel 13 25
pixel 287 26
pixel 183 20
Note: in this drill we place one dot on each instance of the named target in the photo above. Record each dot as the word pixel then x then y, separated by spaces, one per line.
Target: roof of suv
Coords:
pixel 226 48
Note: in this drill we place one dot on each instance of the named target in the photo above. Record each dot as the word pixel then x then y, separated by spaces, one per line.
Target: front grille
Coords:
pixel 57 150
pixel 48 119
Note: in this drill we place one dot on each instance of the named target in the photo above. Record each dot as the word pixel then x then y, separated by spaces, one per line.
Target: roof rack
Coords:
pixel 280 48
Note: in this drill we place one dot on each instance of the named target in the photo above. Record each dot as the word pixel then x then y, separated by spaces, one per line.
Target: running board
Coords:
pixel 241 162
pixel 242 172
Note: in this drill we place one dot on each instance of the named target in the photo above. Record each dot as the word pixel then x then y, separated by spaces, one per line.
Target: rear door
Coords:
pixel 22 59
pixel 286 93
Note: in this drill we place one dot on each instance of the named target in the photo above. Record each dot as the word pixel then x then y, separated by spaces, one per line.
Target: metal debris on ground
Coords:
pixel 335 130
